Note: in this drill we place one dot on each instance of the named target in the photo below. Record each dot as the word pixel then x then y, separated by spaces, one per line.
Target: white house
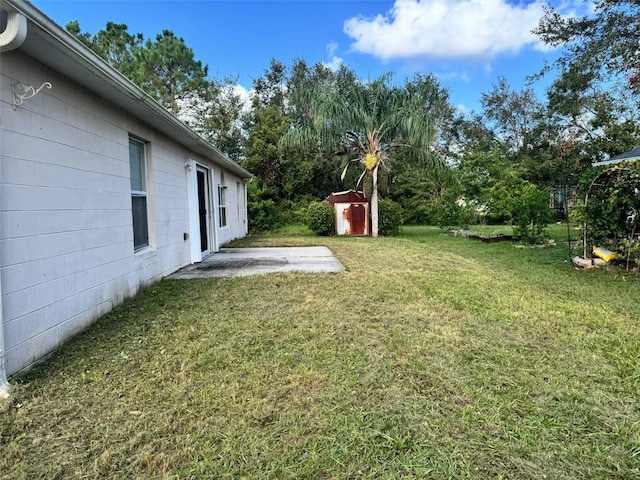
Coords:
pixel 102 190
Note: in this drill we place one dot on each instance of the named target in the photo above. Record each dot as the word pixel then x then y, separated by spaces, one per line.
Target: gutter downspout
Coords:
pixel 14 33
pixel 11 38
pixel 4 384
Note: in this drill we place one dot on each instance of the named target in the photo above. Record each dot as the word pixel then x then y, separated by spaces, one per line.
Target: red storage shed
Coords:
pixel 352 212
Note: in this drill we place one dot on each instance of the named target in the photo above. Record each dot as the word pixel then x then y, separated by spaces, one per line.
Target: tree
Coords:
pixel 489 180
pixel 424 193
pixel 470 133
pixel 261 155
pixel 600 118
pixel 270 89
pixel 266 127
pixel 531 212
pixel 289 177
pixel 591 112
pixel 165 68
pixel 168 71
pixel 308 171
pixel 600 46
pixel 114 44
pixel 367 123
pixel 220 119
pixel 73 27
pixel 512 114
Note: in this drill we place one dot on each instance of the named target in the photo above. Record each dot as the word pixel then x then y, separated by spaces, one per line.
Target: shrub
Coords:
pixel 294 212
pixel 389 217
pixel 447 214
pixel 264 215
pixel 531 213
pixel 612 212
pixel 263 211
pixel 321 218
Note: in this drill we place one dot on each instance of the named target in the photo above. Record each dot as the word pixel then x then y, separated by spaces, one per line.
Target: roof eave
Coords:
pixel 630 156
pixel 615 162
pixel 110 84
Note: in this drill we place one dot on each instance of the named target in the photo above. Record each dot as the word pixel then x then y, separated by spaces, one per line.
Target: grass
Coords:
pixel 429 357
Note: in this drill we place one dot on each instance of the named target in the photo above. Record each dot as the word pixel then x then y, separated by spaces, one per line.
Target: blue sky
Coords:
pixel 467 44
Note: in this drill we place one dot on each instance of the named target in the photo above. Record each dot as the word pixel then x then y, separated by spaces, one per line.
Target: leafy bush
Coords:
pixel 418 213
pixel 295 212
pixel 321 218
pixel 447 214
pixel 389 217
pixel 614 203
pixel 501 198
pixel 264 215
pixel 531 212
pixel 263 211
pixel 612 213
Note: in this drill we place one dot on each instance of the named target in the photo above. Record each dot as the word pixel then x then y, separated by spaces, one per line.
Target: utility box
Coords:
pixel 352 212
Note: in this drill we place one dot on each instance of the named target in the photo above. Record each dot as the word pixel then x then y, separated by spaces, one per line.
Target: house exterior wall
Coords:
pixel 66 236
pixel 236 204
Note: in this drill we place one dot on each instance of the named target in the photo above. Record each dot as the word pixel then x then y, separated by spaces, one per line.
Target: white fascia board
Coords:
pixel 157 116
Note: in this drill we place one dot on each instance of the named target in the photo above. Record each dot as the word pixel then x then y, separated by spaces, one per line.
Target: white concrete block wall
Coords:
pixel 235 228
pixel 66 238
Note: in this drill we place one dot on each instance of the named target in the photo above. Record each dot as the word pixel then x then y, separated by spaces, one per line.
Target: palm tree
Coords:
pixel 367 122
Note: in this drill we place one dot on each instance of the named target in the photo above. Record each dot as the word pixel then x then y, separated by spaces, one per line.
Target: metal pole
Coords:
pixel 584 232
pixel 566 212
pixel 4 384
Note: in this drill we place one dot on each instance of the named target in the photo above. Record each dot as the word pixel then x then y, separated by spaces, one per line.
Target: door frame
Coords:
pixel 205 218
pixel 193 235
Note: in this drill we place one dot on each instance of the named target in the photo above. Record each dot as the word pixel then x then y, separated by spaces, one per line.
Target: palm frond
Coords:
pixel 361 177
pixel 346 167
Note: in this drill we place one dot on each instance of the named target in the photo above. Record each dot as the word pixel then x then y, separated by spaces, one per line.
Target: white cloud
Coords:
pixel 242 93
pixel 335 62
pixel 448 29
pixel 462 108
pixel 453 75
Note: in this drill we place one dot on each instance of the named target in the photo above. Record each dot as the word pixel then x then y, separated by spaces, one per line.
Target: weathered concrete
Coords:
pixel 240 262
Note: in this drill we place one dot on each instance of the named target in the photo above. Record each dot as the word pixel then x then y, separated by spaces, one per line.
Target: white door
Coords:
pixel 204 209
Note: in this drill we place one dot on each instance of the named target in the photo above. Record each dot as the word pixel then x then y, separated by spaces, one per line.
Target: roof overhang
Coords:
pixel 630 156
pixel 348 196
pixel 51 45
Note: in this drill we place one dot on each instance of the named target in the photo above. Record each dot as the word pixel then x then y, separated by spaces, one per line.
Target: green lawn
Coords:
pixel 429 357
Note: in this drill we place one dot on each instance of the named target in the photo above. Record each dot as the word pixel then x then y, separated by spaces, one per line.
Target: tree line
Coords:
pixel 304 123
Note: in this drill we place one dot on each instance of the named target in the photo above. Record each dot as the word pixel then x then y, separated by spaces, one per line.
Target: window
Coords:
pixel 222 205
pixel 138 167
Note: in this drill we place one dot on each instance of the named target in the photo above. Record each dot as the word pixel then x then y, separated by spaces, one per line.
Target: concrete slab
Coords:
pixel 240 262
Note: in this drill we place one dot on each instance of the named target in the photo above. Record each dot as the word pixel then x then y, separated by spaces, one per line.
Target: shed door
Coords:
pixel 358 214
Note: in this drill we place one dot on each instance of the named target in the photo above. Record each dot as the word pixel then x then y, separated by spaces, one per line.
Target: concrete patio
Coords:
pixel 240 262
